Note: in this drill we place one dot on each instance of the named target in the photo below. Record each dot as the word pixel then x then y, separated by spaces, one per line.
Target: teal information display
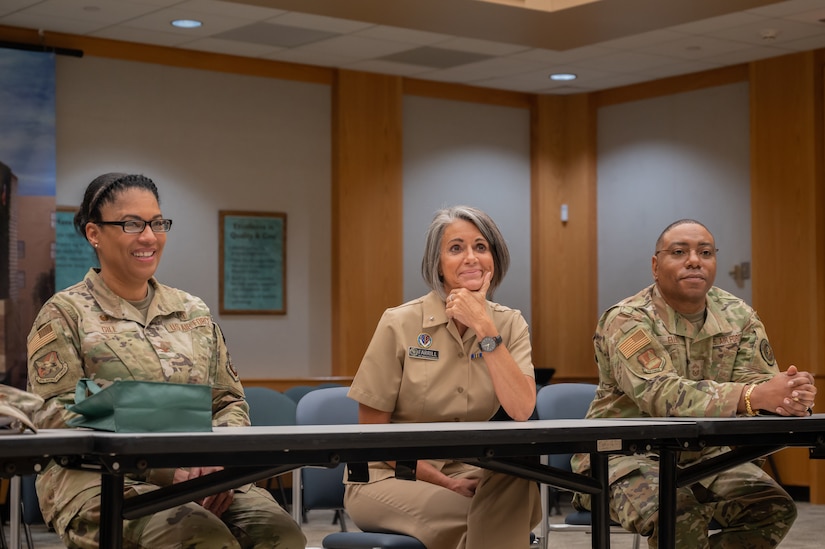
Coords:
pixel 73 254
pixel 252 263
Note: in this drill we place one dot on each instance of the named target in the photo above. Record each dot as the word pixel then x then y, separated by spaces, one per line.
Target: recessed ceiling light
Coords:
pixel 563 76
pixel 186 23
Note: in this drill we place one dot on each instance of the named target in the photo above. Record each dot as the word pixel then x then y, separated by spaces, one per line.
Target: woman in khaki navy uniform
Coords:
pixel 120 323
pixel 449 356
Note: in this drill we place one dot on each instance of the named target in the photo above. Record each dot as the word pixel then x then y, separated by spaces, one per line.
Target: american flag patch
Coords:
pixel 632 343
pixel 43 336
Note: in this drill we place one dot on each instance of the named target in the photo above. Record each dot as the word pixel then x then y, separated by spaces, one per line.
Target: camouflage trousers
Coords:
pixel 752 509
pixel 254 519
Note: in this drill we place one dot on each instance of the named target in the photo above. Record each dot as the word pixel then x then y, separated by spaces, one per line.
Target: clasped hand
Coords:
pixel 789 393
pixel 218 503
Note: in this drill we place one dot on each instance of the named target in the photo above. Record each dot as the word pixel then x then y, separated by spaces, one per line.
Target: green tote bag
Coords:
pixel 132 406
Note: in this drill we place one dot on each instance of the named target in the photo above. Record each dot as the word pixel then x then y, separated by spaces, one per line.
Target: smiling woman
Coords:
pixel 451 355
pixel 120 323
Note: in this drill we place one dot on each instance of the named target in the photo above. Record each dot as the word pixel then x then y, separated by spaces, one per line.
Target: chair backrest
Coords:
pixel 324 488
pixel 327 406
pixel 564 401
pixel 297 392
pixel 269 407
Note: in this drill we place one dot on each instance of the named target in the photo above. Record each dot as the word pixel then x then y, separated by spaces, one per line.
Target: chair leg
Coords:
pixel 636 540
pixel 28 533
pixel 339 516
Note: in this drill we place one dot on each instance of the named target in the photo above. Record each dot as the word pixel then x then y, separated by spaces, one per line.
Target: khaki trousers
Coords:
pixel 500 515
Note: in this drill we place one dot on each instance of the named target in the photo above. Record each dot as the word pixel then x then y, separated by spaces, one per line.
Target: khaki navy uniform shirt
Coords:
pixel 654 363
pixel 419 368
pixel 88 331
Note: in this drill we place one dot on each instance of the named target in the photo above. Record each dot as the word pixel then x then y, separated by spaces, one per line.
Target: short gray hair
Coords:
pixel 431 262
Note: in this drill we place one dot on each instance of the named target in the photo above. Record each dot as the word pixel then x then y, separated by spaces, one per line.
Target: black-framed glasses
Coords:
pixel 137 226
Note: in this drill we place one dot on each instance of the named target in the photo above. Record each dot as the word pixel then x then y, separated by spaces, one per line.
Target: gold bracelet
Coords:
pixel 748 408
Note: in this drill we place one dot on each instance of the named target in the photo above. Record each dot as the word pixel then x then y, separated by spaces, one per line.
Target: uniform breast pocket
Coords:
pixel 724 357
pixel 117 352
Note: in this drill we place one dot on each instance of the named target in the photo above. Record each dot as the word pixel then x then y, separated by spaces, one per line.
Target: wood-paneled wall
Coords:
pixel 367 210
pixel 788 226
pixel 564 287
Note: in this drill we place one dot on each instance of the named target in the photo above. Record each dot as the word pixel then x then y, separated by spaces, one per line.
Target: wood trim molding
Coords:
pixel 175 57
pixel 469 94
pixel 671 86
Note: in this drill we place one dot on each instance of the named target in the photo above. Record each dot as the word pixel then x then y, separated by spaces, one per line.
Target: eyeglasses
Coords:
pixel 137 226
pixel 683 252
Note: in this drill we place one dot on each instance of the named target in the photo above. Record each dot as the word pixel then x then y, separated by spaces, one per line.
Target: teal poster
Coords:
pixel 252 263
pixel 73 254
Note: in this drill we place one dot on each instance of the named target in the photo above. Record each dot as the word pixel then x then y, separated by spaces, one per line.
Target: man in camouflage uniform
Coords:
pixel 684 348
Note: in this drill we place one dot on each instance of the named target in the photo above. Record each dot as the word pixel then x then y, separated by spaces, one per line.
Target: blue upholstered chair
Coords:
pixel 568 401
pixel 271 407
pixel 324 488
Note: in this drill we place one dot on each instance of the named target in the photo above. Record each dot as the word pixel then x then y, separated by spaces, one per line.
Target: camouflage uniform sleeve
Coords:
pixel 228 403
pixel 54 363
pixel 643 370
pixel 755 361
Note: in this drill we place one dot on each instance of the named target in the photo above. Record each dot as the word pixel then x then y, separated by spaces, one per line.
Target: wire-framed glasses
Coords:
pixel 136 226
pixel 683 252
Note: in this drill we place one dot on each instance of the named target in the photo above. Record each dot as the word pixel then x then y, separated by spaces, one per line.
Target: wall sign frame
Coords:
pixel 252 262
pixel 73 254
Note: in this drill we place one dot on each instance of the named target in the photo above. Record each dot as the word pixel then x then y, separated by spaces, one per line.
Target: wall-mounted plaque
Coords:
pixel 252 263
pixel 73 254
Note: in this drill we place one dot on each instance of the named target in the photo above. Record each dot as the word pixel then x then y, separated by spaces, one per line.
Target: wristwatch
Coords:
pixel 489 344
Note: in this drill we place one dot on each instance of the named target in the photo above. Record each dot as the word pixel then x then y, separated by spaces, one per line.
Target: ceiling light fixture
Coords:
pixel 563 76
pixel 186 23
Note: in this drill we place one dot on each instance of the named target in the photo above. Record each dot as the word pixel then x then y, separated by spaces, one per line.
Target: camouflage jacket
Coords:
pixel 88 331
pixel 654 363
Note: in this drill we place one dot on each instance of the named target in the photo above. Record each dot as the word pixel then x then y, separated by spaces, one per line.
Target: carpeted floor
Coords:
pixel 807 533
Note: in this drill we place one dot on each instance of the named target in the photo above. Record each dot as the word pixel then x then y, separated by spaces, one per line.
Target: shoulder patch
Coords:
pixel 43 336
pixel 651 363
pixel 230 369
pixel 49 368
pixel 632 343
pixel 767 352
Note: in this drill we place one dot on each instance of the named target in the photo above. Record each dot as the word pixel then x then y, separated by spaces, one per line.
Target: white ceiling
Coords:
pixel 496 44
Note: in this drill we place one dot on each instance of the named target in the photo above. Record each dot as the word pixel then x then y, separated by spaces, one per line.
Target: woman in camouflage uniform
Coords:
pixel 120 323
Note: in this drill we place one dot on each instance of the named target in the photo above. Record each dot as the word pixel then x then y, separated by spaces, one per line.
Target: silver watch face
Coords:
pixel 488 344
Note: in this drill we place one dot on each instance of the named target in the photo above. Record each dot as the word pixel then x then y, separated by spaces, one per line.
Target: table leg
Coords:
pixel 667 498
pixel 111 510
pixel 14 511
pixel 601 503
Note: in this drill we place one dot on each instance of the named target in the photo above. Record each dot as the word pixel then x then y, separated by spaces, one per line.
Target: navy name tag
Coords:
pixel 425 354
